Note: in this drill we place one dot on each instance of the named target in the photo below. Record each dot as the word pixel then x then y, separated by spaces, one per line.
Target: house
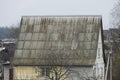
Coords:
pixel 6 51
pixel 67 41
pixel 112 37
pixel 112 41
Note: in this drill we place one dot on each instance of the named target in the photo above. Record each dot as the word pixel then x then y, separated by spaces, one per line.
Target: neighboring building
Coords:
pixel 112 43
pixel 116 66
pixel 1 63
pixel 7 48
pixel 78 38
pixel 115 53
pixel 10 45
pixel 112 39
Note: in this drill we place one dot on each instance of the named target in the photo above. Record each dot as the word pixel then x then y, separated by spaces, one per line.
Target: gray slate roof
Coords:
pixel 75 37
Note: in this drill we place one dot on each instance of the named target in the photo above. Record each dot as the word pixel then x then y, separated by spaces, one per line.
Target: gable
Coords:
pixel 74 36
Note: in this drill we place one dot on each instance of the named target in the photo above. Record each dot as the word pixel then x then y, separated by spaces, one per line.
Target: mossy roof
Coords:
pixel 75 37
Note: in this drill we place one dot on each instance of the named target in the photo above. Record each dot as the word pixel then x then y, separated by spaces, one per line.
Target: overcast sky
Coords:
pixel 12 10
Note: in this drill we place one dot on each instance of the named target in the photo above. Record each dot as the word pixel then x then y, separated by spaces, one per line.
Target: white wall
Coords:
pixel 99 64
pixel 81 73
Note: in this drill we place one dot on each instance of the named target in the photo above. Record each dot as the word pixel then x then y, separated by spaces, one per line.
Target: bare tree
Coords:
pixel 9 31
pixel 14 31
pixel 115 41
pixel 57 65
pixel 60 67
pixel 115 14
pixel 114 34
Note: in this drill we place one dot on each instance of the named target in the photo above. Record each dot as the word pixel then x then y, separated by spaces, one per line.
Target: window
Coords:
pixel 94 72
pixel 45 72
pixel 74 44
pixel 98 52
pixel 101 71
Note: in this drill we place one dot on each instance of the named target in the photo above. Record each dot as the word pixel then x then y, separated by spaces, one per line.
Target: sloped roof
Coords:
pixel 74 36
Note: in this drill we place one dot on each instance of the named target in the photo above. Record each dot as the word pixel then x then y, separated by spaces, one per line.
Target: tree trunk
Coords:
pixel 56 76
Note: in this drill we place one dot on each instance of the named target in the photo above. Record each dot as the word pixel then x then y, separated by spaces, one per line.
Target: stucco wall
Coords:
pixel 34 73
pixel 81 73
pixel 26 72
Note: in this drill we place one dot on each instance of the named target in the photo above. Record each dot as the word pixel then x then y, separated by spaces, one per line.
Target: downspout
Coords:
pixel 108 62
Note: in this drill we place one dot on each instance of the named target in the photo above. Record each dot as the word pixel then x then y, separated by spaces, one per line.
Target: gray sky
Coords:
pixel 12 10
